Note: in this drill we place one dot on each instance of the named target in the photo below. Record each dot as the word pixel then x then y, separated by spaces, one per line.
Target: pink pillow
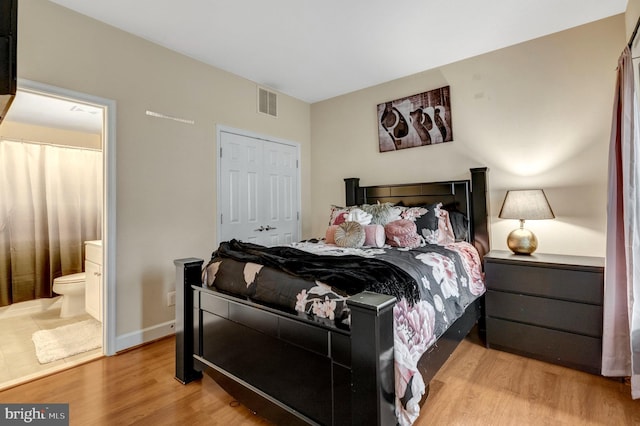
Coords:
pixel 402 233
pixel 330 235
pixel 400 227
pixel 374 235
pixel 340 219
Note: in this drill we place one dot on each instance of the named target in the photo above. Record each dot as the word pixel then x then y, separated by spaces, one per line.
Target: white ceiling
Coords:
pixel 315 50
pixel 49 111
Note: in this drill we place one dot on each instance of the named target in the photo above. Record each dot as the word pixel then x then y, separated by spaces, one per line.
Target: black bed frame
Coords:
pixel 292 370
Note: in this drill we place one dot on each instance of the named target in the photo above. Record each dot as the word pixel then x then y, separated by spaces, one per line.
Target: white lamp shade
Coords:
pixel 526 204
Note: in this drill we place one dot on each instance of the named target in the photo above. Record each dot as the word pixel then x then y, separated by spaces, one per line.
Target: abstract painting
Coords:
pixel 417 120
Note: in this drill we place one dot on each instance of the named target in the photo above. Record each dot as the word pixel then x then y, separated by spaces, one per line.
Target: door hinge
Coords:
pixel 298 215
pixel 220 219
pixel 220 152
pixel 297 166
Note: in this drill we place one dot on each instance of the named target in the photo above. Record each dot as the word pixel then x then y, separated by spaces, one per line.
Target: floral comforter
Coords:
pixel 449 278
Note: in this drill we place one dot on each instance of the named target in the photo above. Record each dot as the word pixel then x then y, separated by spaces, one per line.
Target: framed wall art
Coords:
pixel 417 120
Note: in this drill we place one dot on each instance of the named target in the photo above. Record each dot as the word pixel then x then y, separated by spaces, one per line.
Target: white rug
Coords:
pixel 68 340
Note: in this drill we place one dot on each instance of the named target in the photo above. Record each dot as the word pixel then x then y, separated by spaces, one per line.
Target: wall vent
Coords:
pixel 267 102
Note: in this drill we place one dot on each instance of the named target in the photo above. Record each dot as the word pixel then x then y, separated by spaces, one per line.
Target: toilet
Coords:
pixel 82 292
pixel 71 288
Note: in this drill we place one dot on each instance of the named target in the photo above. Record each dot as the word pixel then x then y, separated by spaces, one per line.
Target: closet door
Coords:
pixel 279 194
pixel 258 190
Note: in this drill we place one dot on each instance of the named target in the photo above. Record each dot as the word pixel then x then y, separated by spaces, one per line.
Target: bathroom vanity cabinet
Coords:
pixel 93 284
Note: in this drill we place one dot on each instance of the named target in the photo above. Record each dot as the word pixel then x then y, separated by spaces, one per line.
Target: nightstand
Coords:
pixel 546 306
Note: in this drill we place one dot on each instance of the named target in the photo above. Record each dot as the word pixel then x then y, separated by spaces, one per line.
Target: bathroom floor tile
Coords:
pixel 46 322
pixel 17 326
pixel 18 361
pixel 4 371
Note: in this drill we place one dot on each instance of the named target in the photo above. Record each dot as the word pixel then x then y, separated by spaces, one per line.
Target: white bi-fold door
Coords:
pixel 258 193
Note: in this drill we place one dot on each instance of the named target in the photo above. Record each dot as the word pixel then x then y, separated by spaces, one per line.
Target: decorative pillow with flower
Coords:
pixel 434 225
pixel 338 215
pixel 412 213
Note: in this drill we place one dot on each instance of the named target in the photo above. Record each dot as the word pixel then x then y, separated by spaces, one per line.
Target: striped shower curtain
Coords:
pixel 621 325
pixel 50 203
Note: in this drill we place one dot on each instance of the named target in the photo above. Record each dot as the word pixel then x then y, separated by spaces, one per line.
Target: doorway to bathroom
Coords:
pixel 56 146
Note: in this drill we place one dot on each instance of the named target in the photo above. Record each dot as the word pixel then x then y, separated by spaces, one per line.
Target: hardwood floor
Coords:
pixel 477 386
pixel 480 386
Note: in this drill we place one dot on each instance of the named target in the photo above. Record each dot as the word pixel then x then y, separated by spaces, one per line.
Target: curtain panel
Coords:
pixel 621 321
pixel 50 203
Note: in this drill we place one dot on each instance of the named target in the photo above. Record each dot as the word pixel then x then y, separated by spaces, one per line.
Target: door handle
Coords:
pixel 262 228
pixel 269 228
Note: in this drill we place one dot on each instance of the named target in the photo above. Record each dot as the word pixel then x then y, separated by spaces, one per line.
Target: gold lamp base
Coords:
pixel 522 241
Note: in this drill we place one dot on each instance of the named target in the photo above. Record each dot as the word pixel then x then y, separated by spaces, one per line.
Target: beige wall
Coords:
pixel 166 171
pixel 631 16
pixel 28 132
pixel 538 114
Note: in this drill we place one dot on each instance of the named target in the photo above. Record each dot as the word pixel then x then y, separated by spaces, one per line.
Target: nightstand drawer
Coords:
pixel 569 284
pixel 557 314
pixel 571 350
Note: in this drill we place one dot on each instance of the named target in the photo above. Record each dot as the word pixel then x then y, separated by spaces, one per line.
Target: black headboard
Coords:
pixel 466 196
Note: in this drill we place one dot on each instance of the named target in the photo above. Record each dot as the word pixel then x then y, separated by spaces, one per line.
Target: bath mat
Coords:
pixel 68 340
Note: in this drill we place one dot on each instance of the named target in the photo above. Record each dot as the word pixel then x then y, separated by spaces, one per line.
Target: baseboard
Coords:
pixel 145 335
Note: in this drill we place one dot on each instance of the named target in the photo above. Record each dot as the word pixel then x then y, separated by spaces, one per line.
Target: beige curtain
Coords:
pixel 50 203
pixel 621 322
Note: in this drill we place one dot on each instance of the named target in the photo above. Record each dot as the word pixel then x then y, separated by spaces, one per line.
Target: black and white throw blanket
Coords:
pixel 433 284
pixel 350 273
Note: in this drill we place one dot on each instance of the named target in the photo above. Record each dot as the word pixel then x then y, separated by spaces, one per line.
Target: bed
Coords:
pixel 296 369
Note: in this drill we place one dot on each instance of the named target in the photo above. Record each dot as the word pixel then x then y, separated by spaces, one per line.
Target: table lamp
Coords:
pixel 524 204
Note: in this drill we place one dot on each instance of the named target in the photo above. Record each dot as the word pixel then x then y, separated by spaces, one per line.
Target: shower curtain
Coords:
pixel 50 203
pixel 621 319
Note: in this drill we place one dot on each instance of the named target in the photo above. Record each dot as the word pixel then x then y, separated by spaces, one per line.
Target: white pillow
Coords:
pixel 360 216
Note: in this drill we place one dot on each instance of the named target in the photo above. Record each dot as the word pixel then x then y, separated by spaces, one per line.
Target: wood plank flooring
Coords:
pixel 477 386
pixel 480 386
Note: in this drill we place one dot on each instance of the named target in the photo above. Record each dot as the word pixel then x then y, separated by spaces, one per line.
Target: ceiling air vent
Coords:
pixel 267 102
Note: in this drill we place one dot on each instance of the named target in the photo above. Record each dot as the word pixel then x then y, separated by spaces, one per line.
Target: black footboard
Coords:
pixel 287 368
